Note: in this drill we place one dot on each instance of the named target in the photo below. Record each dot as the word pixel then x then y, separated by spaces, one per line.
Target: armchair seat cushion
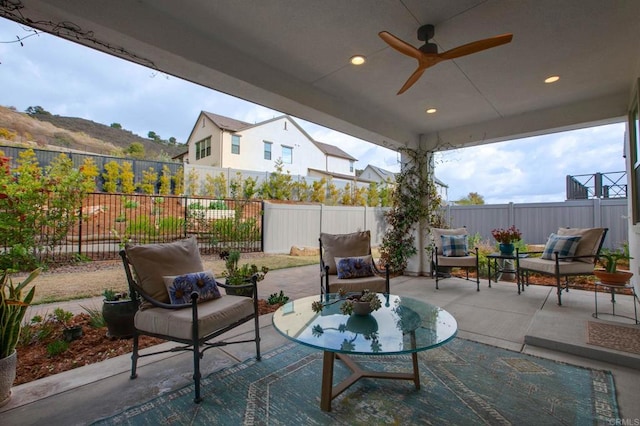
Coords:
pixel 212 315
pixel 549 266
pixel 373 283
pixel 459 261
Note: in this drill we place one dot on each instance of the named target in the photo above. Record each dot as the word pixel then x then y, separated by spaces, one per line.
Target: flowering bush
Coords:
pixel 507 236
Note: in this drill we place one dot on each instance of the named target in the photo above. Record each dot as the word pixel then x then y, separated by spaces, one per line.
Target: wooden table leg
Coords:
pixel 327 381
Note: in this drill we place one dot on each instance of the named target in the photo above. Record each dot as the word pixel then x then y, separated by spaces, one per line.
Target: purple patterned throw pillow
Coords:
pixel 180 287
pixel 354 267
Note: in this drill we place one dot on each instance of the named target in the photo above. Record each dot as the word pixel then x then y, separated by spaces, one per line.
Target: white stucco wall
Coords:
pixel 305 153
pixel 199 133
pixel 339 165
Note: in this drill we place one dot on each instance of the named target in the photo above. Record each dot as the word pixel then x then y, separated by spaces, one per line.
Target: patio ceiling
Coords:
pixel 293 56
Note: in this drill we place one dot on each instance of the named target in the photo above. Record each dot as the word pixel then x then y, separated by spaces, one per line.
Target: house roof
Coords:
pixel 227 123
pixel 339 175
pixel 333 150
pixel 386 174
pixel 233 125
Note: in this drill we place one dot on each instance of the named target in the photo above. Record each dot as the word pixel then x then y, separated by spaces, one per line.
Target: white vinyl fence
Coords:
pixel 287 225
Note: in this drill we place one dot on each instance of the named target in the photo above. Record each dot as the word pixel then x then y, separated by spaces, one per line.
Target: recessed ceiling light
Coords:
pixel 431 110
pixel 552 79
pixel 358 60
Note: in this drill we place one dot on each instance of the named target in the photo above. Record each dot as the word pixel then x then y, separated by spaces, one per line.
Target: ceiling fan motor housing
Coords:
pixel 425 33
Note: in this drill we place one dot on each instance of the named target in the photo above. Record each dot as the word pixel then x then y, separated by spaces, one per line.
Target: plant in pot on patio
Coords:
pixel 506 238
pixel 118 311
pixel 12 310
pixel 610 275
pixel 238 275
pixel 70 331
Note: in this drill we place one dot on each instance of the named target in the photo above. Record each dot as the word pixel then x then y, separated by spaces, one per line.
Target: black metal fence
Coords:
pixel 597 185
pixel 106 222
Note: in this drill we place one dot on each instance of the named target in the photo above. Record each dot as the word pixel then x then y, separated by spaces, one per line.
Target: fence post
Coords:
pixel 598 185
pixel 185 226
pixel 511 213
pixel 80 230
pixel 597 213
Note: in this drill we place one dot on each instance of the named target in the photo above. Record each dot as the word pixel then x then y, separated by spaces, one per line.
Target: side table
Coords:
pixel 613 289
pixel 503 264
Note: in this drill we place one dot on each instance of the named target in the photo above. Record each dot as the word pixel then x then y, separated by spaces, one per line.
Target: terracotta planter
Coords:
pixel 7 376
pixel 616 278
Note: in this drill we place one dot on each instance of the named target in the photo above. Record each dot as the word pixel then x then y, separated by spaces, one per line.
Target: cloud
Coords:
pixel 531 169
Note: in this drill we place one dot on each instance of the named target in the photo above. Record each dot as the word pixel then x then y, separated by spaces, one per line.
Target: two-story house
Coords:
pixel 225 142
pixel 376 174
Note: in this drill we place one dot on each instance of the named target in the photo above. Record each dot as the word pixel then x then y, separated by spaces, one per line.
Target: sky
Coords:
pixel 68 79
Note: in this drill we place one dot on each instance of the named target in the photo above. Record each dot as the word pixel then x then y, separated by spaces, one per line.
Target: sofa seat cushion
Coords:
pixel 544 266
pixel 461 261
pixel 374 283
pixel 212 315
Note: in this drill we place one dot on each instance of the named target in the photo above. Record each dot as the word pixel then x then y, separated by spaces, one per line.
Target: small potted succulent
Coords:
pixel 240 275
pixel 118 311
pixel 610 274
pixel 359 304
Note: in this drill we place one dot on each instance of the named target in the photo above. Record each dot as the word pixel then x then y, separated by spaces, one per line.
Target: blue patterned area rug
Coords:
pixel 463 383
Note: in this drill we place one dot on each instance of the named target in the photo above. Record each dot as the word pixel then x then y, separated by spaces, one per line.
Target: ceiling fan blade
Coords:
pixel 400 45
pixel 411 81
pixel 476 46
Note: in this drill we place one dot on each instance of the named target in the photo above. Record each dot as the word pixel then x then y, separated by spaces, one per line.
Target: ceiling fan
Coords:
pixel 427 54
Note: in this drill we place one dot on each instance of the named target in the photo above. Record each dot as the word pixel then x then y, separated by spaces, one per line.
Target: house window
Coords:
pixel 203 148
pixel 267 150
pixel 287 155
pixel 351 166
pixel 235 144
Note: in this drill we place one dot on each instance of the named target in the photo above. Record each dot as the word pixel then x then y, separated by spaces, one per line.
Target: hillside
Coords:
pixel 55 132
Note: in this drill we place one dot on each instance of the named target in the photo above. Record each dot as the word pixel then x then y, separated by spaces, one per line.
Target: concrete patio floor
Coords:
pixel 531 323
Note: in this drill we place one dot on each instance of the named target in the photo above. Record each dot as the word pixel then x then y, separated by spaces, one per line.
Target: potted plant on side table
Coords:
pixel 238 275
pixel 12 310
pixel 506 239
pixel 610 274
pixel 118 311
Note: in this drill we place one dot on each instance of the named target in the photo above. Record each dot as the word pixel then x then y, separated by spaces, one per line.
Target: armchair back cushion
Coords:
pixel 589 241
pixel 344 245
pixel 152 262
pixel 437 234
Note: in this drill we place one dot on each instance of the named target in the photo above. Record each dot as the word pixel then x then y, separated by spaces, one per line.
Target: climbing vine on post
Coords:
pixel 414 200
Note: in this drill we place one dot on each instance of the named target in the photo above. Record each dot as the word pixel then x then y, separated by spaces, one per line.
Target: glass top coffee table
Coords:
pixel 402 325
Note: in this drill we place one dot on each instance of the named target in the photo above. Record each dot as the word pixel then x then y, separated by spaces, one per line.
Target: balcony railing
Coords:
pixel 597 185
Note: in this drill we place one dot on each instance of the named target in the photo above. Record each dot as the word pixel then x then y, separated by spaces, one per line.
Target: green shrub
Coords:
pixel 57 347
pixel 217 205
